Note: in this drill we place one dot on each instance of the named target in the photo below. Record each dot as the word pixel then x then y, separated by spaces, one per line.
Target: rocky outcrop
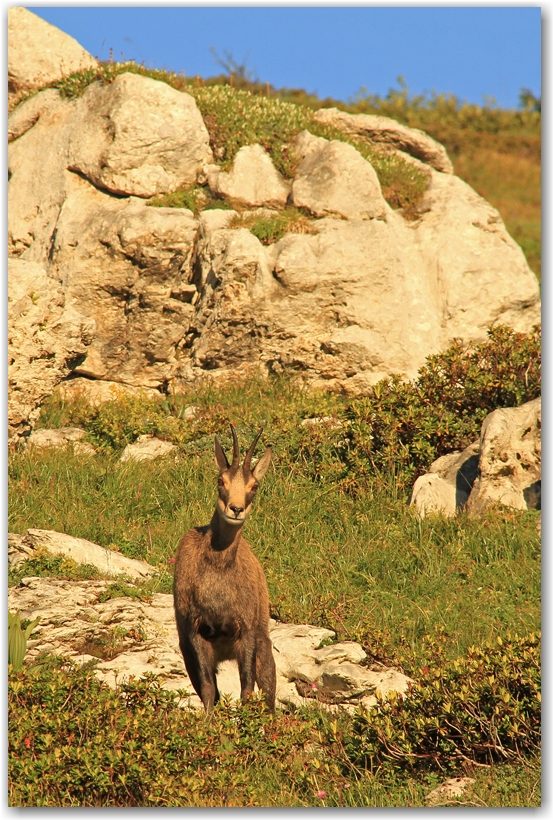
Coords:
pixel 253 179
pixel 509 464
pixel 385 131
pixel 503 467
pixel 46 340
pixel 39 53
pixel 126 636
pixel 176 296
pixel 108 562
pixel 63 437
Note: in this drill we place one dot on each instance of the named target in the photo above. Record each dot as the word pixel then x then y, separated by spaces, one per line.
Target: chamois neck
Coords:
pixel 224 535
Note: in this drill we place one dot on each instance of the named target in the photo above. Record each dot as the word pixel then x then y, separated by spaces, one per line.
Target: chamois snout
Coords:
pixel 237 484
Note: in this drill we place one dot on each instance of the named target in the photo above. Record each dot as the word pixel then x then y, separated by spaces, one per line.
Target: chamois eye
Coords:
pixel 220 482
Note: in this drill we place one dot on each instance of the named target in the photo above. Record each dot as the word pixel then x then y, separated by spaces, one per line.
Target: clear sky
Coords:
pixel 471 51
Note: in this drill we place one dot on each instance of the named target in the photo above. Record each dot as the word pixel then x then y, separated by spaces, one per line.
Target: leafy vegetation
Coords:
pixel 339 546
pixel 483 706
pixel 75 742
pixel 46 565
pixel 270 228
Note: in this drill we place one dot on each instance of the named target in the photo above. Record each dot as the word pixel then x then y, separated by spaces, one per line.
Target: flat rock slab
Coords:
pixel 127 637
pixel 146 448
pixel 62 437
pixel 79 550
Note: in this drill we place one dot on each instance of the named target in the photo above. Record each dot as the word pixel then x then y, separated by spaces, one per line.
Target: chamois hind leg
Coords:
pixel 265 670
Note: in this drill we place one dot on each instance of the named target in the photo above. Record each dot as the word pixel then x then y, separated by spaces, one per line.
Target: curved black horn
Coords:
pixel 250 452
pixel 235 448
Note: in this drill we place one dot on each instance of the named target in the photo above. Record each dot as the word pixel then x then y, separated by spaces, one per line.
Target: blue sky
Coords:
pixel 472 51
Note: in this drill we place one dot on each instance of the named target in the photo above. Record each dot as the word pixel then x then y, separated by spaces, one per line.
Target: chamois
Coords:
pixel 220 592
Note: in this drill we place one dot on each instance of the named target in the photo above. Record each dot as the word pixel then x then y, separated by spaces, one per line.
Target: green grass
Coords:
pixel 359 562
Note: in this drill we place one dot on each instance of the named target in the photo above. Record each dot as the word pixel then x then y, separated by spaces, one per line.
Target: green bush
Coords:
pixel 45 565
pixel 75 742
pixel 484 706
pixel 401 427
pixel 271 228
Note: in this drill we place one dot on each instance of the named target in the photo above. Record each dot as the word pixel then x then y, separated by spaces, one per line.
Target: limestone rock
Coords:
pixel 480 274
pixel 509 467
pixel 97 392
pixel 130 267
pixel 138 136
pixel 386 131
pixel 46 339
pixel 253 179
pixel 146 448
pixel 216 218
pixel 447 485
pixel 37 177
pixel 450 790
pixel 39 53
pixel 503 467
pixel 130 637
pixel 62 437
pixel 334 178
pixel 86 552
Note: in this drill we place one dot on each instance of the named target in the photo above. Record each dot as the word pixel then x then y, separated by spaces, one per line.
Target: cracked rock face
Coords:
pixel 175 297
pixel 128 637
pixel 46 339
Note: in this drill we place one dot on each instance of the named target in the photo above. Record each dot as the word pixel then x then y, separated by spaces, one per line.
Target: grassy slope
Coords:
pixel 366 567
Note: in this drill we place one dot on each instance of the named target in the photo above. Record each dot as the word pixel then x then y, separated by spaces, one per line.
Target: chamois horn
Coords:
pixel 235 448
pixel 251 451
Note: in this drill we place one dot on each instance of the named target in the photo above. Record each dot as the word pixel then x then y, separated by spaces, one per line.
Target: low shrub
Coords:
pixel 482 707
pixel 401 427
pixel 272 227
pixel 45 565
pixel 75 742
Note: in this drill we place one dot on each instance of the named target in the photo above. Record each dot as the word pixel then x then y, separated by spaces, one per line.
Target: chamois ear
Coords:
pixel 220 457
pixel 262 465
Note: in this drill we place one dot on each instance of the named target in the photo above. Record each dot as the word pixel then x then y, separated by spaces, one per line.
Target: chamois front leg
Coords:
pixel 246 665
pixel 200 664
pixel 265 670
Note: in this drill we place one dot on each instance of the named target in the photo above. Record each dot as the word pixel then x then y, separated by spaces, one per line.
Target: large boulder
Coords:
pixel 46 340
pixel 137 136
pixel 502 467
pixel 253 179
pixel 447 485
pixel 386 131
pixel 509 466
pixel 334 179
pixel 39 53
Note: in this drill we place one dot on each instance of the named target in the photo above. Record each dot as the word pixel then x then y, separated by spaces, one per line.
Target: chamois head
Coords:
pixel 238 484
